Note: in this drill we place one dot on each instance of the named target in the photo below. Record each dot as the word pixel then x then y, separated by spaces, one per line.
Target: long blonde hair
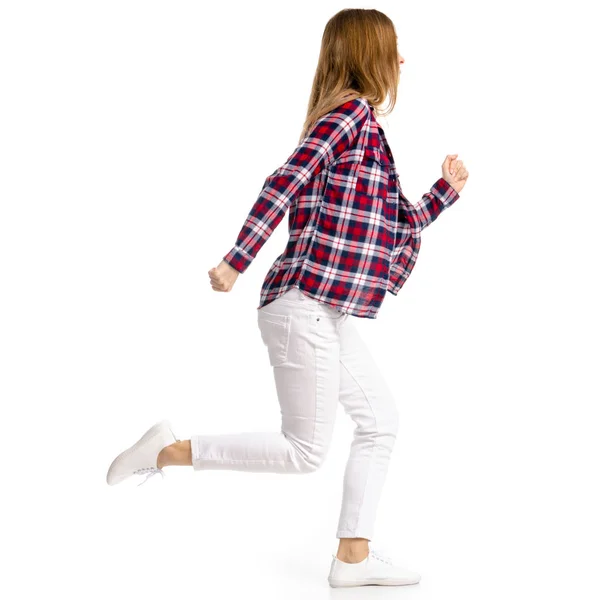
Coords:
pixel 358 57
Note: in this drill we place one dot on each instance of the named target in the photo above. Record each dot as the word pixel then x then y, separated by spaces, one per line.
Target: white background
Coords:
pixel 135 137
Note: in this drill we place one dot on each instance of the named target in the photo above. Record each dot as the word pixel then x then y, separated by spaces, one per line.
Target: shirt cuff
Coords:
pixel 444 192
pixel 238 259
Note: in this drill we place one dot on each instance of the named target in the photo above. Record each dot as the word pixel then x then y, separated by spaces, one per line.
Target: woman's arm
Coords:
pixel 441 196
pixel 331 135
pixel 443 193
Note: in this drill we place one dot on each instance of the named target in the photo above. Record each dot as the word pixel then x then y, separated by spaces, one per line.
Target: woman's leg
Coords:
pixel 368 400
pixel 303 346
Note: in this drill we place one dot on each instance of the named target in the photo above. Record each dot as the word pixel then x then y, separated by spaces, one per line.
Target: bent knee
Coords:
pixel 309 463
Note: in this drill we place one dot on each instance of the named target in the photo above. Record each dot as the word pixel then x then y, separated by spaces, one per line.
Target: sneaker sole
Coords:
pixel 342 583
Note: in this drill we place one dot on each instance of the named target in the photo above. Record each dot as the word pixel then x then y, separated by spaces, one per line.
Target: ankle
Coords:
pixel 177 453
pixel 353 550
pixel 352 558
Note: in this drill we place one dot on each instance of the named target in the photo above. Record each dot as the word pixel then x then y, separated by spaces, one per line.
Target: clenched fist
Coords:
pixel 454 172
pixel 223 277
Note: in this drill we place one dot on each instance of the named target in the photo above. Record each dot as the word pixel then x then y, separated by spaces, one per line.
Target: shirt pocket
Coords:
pixel 341 177
pixel 377 180
pixel 275 332
pixel 373 174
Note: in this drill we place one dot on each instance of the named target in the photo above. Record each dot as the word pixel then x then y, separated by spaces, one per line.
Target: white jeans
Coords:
pixel 317 358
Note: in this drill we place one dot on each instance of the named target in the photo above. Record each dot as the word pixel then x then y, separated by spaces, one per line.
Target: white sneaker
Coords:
pixel 141 457
pixel 375 569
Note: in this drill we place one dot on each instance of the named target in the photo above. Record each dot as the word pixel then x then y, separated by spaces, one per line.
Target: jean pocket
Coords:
pixel 275 332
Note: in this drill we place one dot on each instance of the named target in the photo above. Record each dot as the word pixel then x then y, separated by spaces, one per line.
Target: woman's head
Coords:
pixel 359 57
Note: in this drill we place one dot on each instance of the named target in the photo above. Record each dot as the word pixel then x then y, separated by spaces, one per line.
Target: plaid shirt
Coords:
pixel 353 236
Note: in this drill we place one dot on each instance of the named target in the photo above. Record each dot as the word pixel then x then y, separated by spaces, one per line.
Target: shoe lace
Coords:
pixel 150 472
pixel 378 556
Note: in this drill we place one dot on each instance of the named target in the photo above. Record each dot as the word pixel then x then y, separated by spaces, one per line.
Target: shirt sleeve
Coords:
pixel 331 135
pixel 440 197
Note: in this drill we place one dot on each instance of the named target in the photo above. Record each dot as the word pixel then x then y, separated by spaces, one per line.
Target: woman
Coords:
pixel 353 237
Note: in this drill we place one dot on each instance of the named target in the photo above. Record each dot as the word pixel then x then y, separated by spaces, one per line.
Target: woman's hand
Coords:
pixel 454 172
pixel 223 277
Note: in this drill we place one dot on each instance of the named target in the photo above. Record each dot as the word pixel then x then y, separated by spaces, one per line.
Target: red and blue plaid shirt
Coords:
pixel 353 236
